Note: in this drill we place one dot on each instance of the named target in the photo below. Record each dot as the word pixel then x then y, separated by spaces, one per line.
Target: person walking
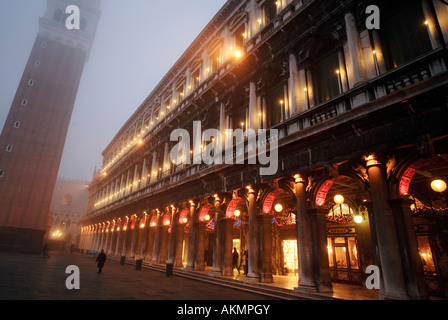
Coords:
pixel 235 260
pixel 101 259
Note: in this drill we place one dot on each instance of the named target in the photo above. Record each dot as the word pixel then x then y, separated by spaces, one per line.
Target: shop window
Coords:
pixel 426 255
pixel 290 256
pixel 406 35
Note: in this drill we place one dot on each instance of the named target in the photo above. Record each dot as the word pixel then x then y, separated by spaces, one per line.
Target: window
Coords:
pixel 406 36
pixel 37 63
pixel 2 173
pixel 9 148
pixel 24 103
pixel 43 44
pixel 31 82
pixel 57 15
pixel 17 124
pixel 270 10
pixel 83 24
pixel 275 105
pixel 215 60
pixel 327 82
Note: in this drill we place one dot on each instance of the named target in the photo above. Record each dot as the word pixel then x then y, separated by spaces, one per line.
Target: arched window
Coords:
pixel 326 76
pixel 83 24
pixel 405 33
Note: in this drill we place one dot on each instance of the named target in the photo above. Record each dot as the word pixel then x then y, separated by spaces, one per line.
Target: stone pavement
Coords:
pixel 29 277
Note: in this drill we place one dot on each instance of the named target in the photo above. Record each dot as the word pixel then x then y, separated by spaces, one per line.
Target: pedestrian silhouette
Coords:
pixel 101 259
pixel 45 254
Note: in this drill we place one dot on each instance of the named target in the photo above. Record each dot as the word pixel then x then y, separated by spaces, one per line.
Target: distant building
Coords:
pixel 361 120
pixel 34 134
pixel 68 205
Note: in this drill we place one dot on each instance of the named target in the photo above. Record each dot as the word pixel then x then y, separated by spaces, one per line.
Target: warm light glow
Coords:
pixel 358 219
pixel 238 54
pixel 237 213
pixel 184 220
pixel 438 185
pixel 426 22
pixel 338 199
pixel 153 224
pixel 278 208
pixel 207 217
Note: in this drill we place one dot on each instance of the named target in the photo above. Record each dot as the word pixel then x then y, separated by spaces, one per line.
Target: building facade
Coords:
pixel 356 117
pixel 68 206
pixel 33 137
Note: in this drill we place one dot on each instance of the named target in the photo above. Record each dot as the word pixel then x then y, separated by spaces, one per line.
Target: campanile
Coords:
pixel 34 134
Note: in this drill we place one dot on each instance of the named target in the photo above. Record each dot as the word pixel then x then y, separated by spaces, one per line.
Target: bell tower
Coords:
pixel 34 134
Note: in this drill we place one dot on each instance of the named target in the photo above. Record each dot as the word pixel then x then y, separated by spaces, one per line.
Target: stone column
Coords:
pixel 294 85
pixel 320 250
pixel 179 245
pixel 227 247
pixel 157 235
pixel 304 239
pixel 253 272
pixel 217 245
pixel 191 240
pixel 266 249
pixel 388 246
pixel 173 236
pixel 199 264
pixel 412 262
pixel 355 49
pixel 164 243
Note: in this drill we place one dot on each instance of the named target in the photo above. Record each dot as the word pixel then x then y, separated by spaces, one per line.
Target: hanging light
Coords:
pixel 358 219
pixel 207 217
pixel 237 213
pixel 438 185
pixel 278 208
pixel 338 199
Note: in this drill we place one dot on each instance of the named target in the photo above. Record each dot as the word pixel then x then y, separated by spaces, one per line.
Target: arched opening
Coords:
pixel 349 243
pixel 424 184
pixel 280 205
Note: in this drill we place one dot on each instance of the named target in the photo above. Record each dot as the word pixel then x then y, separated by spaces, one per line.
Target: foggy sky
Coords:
pixel 137 42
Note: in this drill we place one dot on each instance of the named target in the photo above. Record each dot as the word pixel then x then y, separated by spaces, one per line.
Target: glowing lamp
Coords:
pixel 207 217
pixel 338 199
pixel 358 219
pixel 278 208
pixel 237 213
pixel 438 185
pixel 184 220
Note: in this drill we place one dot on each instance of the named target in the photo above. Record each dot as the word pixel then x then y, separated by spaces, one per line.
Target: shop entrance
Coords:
pixel 343 259
pixel 290 258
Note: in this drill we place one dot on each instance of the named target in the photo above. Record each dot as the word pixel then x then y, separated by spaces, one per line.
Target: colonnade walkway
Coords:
pixel 281 288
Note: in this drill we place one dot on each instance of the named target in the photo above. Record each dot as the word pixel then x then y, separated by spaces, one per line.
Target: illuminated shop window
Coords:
pixel 426 255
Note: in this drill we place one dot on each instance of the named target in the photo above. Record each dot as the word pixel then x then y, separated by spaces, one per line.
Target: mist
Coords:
pixel 136 44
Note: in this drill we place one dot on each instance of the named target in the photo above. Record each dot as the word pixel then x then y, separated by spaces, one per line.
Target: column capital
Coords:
pixel 374 159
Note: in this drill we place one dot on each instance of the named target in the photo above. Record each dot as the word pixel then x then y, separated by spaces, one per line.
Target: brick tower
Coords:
pixel 34 134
